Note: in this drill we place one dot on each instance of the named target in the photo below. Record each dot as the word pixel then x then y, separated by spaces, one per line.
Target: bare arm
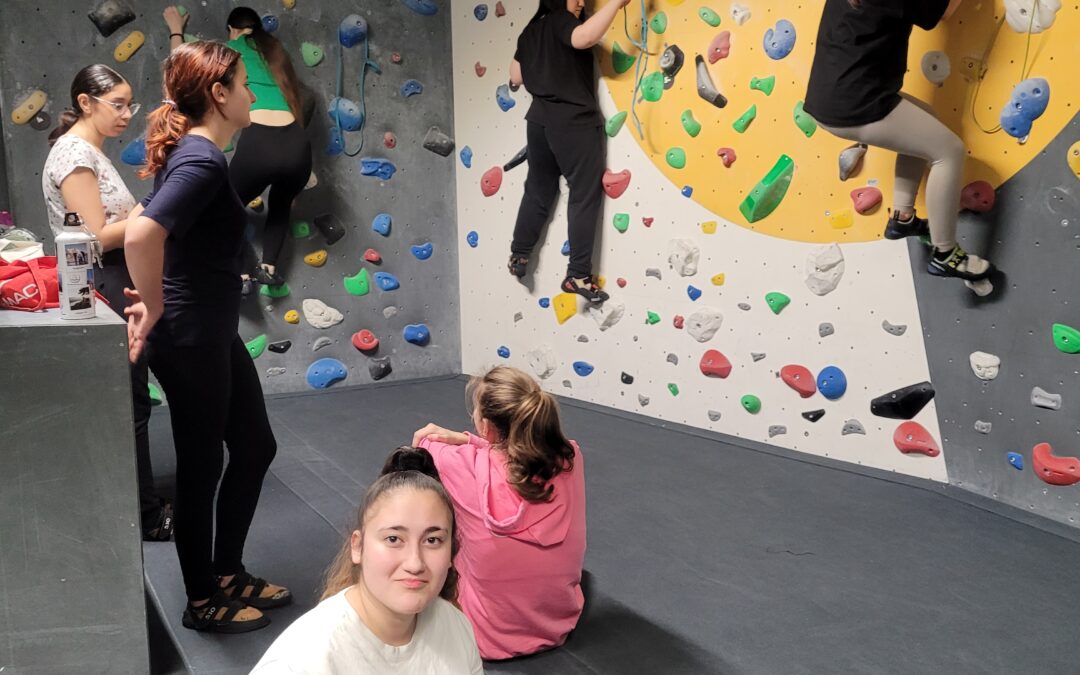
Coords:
pixel 176 26
pixel 953 4
pixel 515 75
pixel 82 195
pixel 589 34
pixel 144 248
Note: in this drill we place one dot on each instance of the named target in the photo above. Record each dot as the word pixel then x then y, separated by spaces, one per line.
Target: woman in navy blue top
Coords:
pixel 183 246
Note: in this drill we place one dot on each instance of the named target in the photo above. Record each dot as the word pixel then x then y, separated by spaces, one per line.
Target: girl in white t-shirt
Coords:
pixel 387 603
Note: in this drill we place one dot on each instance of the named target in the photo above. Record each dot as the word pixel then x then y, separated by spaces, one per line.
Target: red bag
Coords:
pixel 22 281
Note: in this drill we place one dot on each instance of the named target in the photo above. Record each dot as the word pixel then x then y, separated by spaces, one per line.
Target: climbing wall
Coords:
pixel 43 47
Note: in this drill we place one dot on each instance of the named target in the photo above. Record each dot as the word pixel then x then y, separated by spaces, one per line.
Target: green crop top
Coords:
pixel 268 94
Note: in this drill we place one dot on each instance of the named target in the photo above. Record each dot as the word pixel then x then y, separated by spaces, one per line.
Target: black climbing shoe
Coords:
pixel 265 278
pixel 958 263
pixel 517 265
pixel 897 229
pixel 585 287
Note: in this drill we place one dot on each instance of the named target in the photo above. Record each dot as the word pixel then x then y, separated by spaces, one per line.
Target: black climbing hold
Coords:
pixel 280 347
pixel 904 403
pixel 813 415
pixel 380 368
pixel 627 378
pixel 671 62
pixel 517 159
pixel 111 15
pixel 331 229
pixel 41 121
pixel 438 142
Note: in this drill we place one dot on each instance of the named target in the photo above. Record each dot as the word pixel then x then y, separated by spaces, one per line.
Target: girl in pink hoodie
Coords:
pixel 518 487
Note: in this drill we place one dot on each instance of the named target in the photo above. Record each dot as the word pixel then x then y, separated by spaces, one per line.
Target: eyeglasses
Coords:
pixel 132 108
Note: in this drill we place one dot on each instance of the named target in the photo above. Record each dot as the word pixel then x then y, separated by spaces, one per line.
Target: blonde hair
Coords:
pixel 527 421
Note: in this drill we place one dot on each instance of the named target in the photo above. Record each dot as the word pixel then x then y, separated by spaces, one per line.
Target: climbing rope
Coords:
pixel 641 64
pixel 368 63
pixel 1024 70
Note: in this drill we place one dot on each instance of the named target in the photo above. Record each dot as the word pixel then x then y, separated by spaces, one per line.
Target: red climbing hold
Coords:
pixel 621 282
pixel 616 183
pixel 800 379
pixel 372 256
pixel 389 140
pixel 720 47
pixel 978 196
pixel 395 57
pixel 365 340
pixel 866 199
pixel 499 9
pixel 491 181
pixel 646 221
pixel 727 156
pixel 480 70
pixel 912 437
pixel 715 364
pixel 678 321
pixel 1052 469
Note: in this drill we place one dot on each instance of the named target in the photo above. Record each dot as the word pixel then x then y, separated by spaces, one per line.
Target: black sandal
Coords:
pixel 162 529
pixel 248 589
pixel 206 619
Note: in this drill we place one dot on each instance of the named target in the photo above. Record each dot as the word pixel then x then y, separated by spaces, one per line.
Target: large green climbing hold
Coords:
pixel 768 194
pixel 621 221
pixel 777 301
pixel 620 60
pixel 803 120
pixel 676 158
pixel 256 346
pixel 745 119
pixel 763 84
pixel 652 318
pixel 155 395
pixel 659 23
pixel 691 125
pixel 278 291
pixel 652 86
pixel 301 229
pixel 312 54
pixel 673 388
pixel 751 403
pixel 709 16
pixel 1067 338
pixel 358 284
pixel 615 123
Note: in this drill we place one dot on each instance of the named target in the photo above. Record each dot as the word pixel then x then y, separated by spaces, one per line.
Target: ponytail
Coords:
pixel 93 80
pixel 68 118
pixel 165 126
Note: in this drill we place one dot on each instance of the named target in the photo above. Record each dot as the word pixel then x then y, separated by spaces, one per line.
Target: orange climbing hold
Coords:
pixel 913 438
pixel 372 256
pixel 727 156
pixel 491 181
pixel 715 364
pixel 615 184
pixel 800 379
pixel 1053 469
pixel 365 340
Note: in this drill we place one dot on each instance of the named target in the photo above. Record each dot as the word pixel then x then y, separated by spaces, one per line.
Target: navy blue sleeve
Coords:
pixel 925 13
pixel 176 203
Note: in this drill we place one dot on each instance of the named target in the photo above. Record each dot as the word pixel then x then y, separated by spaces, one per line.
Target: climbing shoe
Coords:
pixel 247 286
pixel 517 265
pixel 960 264
pixel 159 526
pixel 267 278
pixel 222 615
pixel 913 227
pixel 585 287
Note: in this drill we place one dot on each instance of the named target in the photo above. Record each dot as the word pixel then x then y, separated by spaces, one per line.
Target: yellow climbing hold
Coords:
pixel 292 316
pixel 255 204
pixel 29 107
pixel 1074 158
pixel 709 227
pixel 565 305
pixel 718 279
pixel 601 280
pixel 316 258
pixel 842 219
pixel 288 4
pixel 129 45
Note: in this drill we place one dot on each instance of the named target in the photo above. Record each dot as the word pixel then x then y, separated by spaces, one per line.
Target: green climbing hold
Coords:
pixel 181 10
pixel 692 126
pixel 301 229
pixel 358 284
pixel 256 346
pixel 1066 338
pixel 279 291
pixel 768 194
pixel 652 318
pixel 615 124
pixel 652 86
pixel 751 404
pixel 621 221
pixel 620 60
pixel 763 84
pixel 312 54
pixel 745 119
pixel 673 388
pixel 188 37
pixel 709 16
pixel 156 397
pixel 777 301
pixel 659 23
pixel 676 158
pixel 803 120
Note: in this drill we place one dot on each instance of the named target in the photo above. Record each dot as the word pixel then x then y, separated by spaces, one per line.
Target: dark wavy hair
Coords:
pixel 94 80
pixel 277 59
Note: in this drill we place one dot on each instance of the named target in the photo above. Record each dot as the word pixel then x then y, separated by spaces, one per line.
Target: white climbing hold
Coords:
pixel 652 272
pixel 320 343
pixel 1041 398
pixel 777 430
pixel 936 66
pixel 607 314
pixel 683 256
pixel 1036 15
pixel 321 315
pixel 275 370
pixel 714 415
pixel 852 427
pixel 642 400
pixel 894 329
pixel 740 13
pixel 703 324
pixel 985 366
pixel 389 311
pixel 983 427
pixel 824 269
pixel 542 361
pixel 850 159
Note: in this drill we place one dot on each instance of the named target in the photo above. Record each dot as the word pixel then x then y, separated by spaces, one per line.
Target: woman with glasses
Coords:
pixel 79 177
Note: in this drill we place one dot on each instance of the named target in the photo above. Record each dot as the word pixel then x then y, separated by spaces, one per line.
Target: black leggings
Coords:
pixel 214 397
pixel 278 157
pixel 578 154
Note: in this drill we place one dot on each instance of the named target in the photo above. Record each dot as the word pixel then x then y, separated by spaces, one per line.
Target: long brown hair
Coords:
pixel 527 420
pixel 93 80
pixel 277 59
pixel 406 467
pixel 187 77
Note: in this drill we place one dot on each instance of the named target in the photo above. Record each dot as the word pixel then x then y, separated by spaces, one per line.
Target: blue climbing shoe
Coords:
pixel 914 227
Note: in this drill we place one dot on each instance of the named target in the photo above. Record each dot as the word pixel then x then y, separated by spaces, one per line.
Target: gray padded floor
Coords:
pixel 703 556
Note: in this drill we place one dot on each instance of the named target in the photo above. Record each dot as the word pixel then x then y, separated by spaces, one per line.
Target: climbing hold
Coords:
pixel 646 221
pixel 913 438
pixel 652 272
pixel 321 342
pixel 423 8
pixel 395 57
pixel 499 9
pixel 727 156
pixel 706 88
pixel 417 334
pixel 703 324
pixel 389 140
pixel 380 368
pixel 744 120
pixel 335 144
pixel 1026 16
pixel 757 356
pixel 978 196
pixel 491 181
pixel 386 281
pixel 690 125
pixel 319 314
pixel 621 282
pixel 678 321
pixel 1066 338
pixel 28 107
pixel 708 227
pixel 466 157
pixel 292 316
pixel 1027 103
pixel 566 247
pixel 985 366
pixel 652 318
pixel 279 347
pixel 330 227
pixel 1016 460
pixel 1041 398
pixel 683 255
pixel 565 305
pixel 1051 468
pixel 676 158
pixel 134 153
pixel 129 45
pixel 825 329
pixel 777 301
pixel 110 15
pixel 326 372
pixel 658 24
pixel 693 292
pixel 751 404
pixel 583 368
pixel 544 302
pixel 503 352
pixel 41 121
pixel 503 97
pixel 480 12
pixel 270 23
pixel 799 378
pixel 312 54
pixel 852 427
pixel 372 256
pixel 892 329
pixel 714 364
pixel 717 279
pixel 542 361
pixel 642 400
pixel 714 415
pixel 709 16
pixel 615 184
pixel 256 346
pixel 851 159
pixel 518 316
pixel 316 258
pixel 392 311
pixel 720 46
pixel 904 403
pixel 687 191
pixel 620 60
pixel 804 121
pixel 519 158
pixel 777 430
pixel 621 221
pixel 274 290
pixel 983 427
pixel 614 124
pixel 652 86
pixel 365 341
pixel 411 88
pixel 841 219
pixel 382 224
pixel 673 388
pixel 936 66
pixel 769 192
pixel 626 378
pixel 831 382
pixel 346 113
pixel 472 239
pixel 764 84
pixel 866 199
pixel 378 167
pixel 422 251
pixel 1072 158
pixel 255 205
pixel 813 415
pixel 780 41
pixel 744 306
pixel 671 62
pixel 438 142
pixel 480 69
pixel 156 397
pixel 607 314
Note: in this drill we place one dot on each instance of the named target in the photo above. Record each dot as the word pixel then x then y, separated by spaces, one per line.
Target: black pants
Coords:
pixel 111 279
pixel 578 154
pixel 278 158
pixel 214 397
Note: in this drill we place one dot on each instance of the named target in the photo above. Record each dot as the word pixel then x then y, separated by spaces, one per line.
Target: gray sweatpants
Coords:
pixel 913 132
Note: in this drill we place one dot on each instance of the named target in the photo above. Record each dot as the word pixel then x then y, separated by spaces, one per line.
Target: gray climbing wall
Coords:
pixel 1033 235
pixel 43 47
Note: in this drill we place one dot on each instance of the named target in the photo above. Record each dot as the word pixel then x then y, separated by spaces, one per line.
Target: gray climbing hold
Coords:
pixel 567 384
pixel 275 370
pixel 893 329
pixel 714 415
pixel 320 343
pixel 852 427
pixel 983 427
pixel 542 361
pixel 683 256
pixel 757 356
pixel 850 159
pixel 703 324
pixel 744 306
pixel 824 268
pixel 706 88
pixel 380 368
pixel 825 329
pixel 583 338
pixel 1040 398
pixel 642 400
pixel 607 314
pixel 777 430
pixel 985 366
pixel 518 316
pixel 389 311
pixel 652 272
pixel 438 142
pixel 673 359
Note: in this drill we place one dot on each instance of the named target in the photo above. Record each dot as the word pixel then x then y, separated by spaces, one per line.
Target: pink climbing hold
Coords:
pixel 480 70
pixel 715 364
pixel 372 256
pixel 389 140
pixel 499 9
pixel 978 196
pixel 621 282
pixel 866 199
pixel 647 221
pixel 720 47
pixel 364 340
pixel 1053 469
pixel 491 181
pixel 800 379
pixel 913 438
pixel 727 156
pixel 395 57
pixel 616 183
pixel 678 321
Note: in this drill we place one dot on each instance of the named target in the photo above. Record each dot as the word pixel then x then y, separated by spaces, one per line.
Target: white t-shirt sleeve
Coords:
pixel 70 157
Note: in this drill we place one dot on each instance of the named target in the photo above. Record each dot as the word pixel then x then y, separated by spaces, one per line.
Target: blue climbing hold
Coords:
pixel 503 352
pixel 335 145
pixel 1016 459
pixel 1027 103
pixel 480 12
pixel 381 224
pixel 422 251
pixel 325 372
pixel 831 382
pixel 346 113
pixel 466 157
pixel 386 281
pixel 693 291
pixel 375 166
pixel 503 98
pixel 270 23
pixel 135 152
pixel 352 30
pixel 411 88
pixel 473 239
pixel 566 247
pixel 582 368
pixel 545 302
pixel 422 7
pixel 417 333
pixel 780 41
pixel 687 191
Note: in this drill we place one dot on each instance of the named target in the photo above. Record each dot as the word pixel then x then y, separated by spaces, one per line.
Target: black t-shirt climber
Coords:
pixel 861 58
pixel 559 77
